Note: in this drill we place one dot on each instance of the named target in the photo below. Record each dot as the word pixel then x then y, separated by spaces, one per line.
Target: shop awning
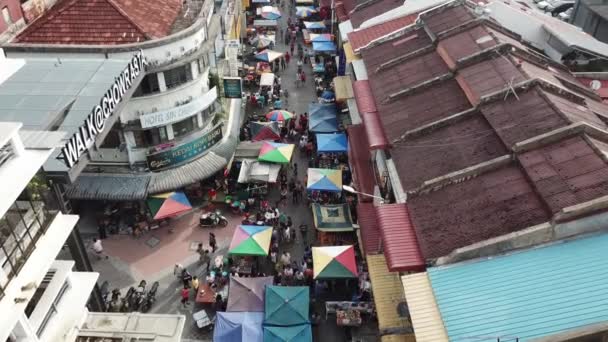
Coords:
pixel 252 170
pixel 399 238
pixel 111 187
pixel 332 218
pixel 389 298
pixel 368 228
pixel 360 161
pixel 344 88
pixel 369 113
pixel 267 79
pixel 248 150
pixel 350 54
pixel 424 313
pixel 324 47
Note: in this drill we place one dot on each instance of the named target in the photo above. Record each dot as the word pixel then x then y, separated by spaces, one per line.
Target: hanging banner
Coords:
pixel 233 88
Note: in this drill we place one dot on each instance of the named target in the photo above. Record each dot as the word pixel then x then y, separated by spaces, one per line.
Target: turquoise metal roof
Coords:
pixel 525 295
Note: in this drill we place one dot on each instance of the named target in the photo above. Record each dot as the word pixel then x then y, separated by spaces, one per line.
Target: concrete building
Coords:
pixel 592 17
pixel 41 299
pixel 11 20
pixel 168 130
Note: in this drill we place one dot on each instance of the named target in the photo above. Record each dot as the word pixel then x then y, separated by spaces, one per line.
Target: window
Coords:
pixel 150 137
pixel 112 139
pixel 149 85
pixel 53 309
pixel 7 16
pixel 178 76
pixel 185 126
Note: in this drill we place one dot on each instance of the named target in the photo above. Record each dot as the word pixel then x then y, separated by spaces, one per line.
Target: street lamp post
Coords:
pixel 352 190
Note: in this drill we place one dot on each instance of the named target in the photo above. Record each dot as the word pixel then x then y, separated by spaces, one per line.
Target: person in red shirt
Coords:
pixel 212 194
pixel 287 56
pixel 185 296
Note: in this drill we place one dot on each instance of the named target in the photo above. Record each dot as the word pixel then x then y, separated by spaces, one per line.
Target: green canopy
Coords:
pixel 295 333
pixel 286 305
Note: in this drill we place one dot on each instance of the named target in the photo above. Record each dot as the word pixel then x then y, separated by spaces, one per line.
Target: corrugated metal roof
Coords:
pixel 427 322
pixel 42 139
pixel 344 88
pixel 360 161
pixel 360 38
pixel 372 9
pixel 369 114
pixel 388 294
pixel 529 294
pixel 368 228
pixel 113 187
pixel 399 238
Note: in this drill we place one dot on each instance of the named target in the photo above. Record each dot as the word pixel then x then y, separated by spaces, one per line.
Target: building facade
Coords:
pixel 174 115
pixel 41 299
pixel 592 17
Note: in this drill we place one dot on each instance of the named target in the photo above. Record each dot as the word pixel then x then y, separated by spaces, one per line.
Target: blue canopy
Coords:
pixel 324 47
pixel 238 327
pixel 328 95
pixel 332 142
pixel 294 333
pixel 322 118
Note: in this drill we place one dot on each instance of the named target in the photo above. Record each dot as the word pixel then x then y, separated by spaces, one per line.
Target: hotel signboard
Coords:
pixel 95 122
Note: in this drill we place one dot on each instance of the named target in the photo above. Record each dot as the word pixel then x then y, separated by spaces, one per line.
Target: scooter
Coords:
pixel 213 219
pixel 150 298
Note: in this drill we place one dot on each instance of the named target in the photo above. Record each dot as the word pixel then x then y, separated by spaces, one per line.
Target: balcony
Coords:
pixel 23 224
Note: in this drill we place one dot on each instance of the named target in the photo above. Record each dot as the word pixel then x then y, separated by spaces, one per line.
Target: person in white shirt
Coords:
pixel 98 249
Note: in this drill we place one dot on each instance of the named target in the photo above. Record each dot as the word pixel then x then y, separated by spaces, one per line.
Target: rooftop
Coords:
pixel 362 37
pixel 102 22
pixel 367 9
pixel 132 326
pixel 513 295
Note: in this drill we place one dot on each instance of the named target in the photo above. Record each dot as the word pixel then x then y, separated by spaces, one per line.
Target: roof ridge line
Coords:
pixel 128 18
pixel 548 138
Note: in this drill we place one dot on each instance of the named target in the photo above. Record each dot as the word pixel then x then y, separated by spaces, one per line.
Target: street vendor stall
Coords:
pixel 321 37
pixel 286 305
pixel 276 152
pixel 262 41
pixel 332 218
pixel 268 55
pixel 314 25
pixel 268 12
pixel 327 47
pixel 267 80
pixel 279 115
pixel 294 333
pixel 168 204
pixel 255 171
pixel 262 67
pixel 324 180
pixel 247 294
pixel 322 118
pixel 305 11
pixel 334 262
pixel 207 293
pixel 265 131
pixel 238 327
pixel 250 240
pixel 332 143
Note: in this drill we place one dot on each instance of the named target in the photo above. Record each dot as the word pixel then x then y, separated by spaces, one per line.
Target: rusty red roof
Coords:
pixel 444 19
pixel 382 52
pixel 362 37
pixel 399 240
pixel 489 205
pixel 341 12
pixel 372 9
pixel 102 22
pixel 359 156
pixel 368 227
pixel 367 109
pixel 603 85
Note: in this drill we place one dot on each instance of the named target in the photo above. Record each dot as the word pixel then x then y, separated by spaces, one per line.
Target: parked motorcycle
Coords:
pixel 150 298
pixel 213 219
pixel 140 296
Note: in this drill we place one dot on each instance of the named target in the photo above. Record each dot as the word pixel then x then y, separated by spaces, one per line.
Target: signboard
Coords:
pixel 176 114
pixel 184 152
pixel 232 54
pixel 94 124
pixel 233 88
pixel 264 22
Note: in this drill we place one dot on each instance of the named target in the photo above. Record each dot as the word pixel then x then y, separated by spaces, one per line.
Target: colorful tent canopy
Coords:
pixel 305 11
pixel 276 152
pixel 294 333
pixel 332 218
pixel 332 142
pixel 314 25
pixel 270 12
pixel 262 40
pixel 279 115
pixel 168 204
pixel 334 262
pixel 286 305
pixel 324 180
pixel 250 240
pixel 322 118
pixel 238 327
pixel 247 294
pixel 323 47
pixel 265 131
pixel 253 170
pixel 268 55
pixel 320 37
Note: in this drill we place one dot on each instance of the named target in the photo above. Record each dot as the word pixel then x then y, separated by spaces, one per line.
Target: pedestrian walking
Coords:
pixel 212 242
pixel 195 284
pixel 185 296
pixel 283 64
pixel 291 48
pixel 303 77
pixel 98 249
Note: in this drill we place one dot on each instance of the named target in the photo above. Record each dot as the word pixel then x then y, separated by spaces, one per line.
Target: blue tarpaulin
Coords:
pixel 295 333
pixel 323 47
pixel 332 142
pixel 238 327
pixel 322 118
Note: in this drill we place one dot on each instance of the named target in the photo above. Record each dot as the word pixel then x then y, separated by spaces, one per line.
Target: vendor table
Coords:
pixel 202 319
pixel 348 318
pixel 334 307
pixel 206 294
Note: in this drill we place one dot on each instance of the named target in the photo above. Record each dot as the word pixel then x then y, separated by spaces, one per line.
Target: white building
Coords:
pixel 169 109
pixel 41 299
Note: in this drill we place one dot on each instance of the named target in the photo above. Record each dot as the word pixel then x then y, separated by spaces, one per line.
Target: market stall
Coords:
pixel 326 47
pixel 268 55
pixel 265 131
pixel 305 11
pixel 268 12
pixel 207 293
pixel 247 294
pixel 250 240
pixel 254 171
pixel 321 37
pixel 262 41
pixel 322 118
pixel 169 204
pixel 276 153
pixel 294 333
pixel 238 327
pixel 286 305
pixel 334 262
pixel 333 218
pixel 314 25
pixel 324 180
pixel 279 115
pixel 332 143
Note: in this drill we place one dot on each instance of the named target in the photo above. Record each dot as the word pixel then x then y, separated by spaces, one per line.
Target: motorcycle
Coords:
pixel 150 298
pixel 140 295
pixel 213 219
